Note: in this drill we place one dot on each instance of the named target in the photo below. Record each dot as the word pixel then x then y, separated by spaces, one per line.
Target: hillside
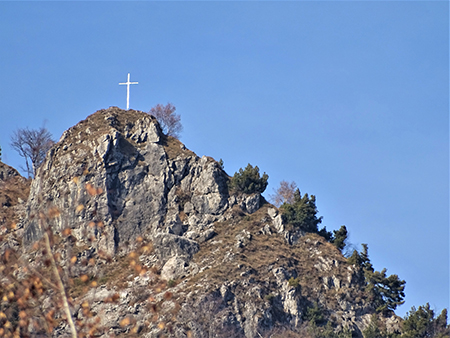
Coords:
pixel 14 190
pixel 149 241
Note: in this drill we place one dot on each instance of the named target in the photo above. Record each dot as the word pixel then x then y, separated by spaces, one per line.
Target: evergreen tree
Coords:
pixel 365 261
pixel 302 213
pixel 386 293
pixel 355 259
pixel 421 323
pixel 249 181
pixel 340 237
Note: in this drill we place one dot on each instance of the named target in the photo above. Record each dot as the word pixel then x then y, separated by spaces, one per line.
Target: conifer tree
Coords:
pixel 340 237
pixel 249 181
pixel 421 323
pixel 386 293
pixel 302 213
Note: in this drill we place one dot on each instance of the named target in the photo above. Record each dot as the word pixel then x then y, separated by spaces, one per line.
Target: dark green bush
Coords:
pixel 249 181
pixel 314 315
pixel 293 282
pixel 302 212
pixel 422 323
pixel 340 237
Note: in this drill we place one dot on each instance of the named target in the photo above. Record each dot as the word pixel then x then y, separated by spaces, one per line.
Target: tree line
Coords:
pixel 384 292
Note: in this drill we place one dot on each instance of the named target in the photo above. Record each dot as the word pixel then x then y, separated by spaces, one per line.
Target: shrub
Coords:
pixel 248 180
pixel 340 237
pixel 422 322
pixel 327 331
pixel 302 212
pixel 293 282
pixel 269 297
pixel 168 119
pixel 284 193
pixel 221 165
pixel 373 330
pixel 314 315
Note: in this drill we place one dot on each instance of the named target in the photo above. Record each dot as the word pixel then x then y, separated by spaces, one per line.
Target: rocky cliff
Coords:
pixel 153 243
pixel 14 191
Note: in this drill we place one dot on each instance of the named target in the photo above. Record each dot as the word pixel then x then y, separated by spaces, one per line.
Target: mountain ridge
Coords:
pixel 152 239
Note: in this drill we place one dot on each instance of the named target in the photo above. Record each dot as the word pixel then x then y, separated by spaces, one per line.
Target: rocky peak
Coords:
pixel 234 269
pixel 117 169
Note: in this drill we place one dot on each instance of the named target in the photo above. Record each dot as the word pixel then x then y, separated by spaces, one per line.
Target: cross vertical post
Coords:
pixel 128 83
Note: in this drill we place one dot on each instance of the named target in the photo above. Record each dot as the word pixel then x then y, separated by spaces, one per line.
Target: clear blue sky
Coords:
pixel 348 99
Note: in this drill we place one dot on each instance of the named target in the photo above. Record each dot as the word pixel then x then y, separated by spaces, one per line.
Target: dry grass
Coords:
pixel 264 253
pixel 174 147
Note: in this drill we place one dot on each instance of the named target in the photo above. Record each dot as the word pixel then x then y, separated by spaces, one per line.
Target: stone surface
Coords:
pixel 116 167
pixel 174 268
pixel 214 264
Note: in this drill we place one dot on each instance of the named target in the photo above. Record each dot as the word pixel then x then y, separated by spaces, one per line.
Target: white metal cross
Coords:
pixel 128 83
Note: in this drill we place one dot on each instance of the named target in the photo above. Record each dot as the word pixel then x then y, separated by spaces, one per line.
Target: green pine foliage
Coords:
pixel 295 282
pixel 386 293
pixel 421 323
pixel 355 259
pixel 0 153
pixel 249 181
pixel 340 237
pixel 314 315
pixel 221 165
pixel 302 213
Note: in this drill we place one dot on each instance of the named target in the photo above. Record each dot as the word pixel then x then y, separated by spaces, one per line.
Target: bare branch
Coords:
pixel 61 288
pixel 32 144
pixel 284 194
pixel 168 120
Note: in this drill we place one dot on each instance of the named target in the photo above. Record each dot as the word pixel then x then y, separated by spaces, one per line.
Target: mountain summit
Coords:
pixel 151 241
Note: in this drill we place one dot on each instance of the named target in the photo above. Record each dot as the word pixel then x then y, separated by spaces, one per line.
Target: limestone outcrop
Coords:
pixel 117 169
pixel 14 191
pixel 170 250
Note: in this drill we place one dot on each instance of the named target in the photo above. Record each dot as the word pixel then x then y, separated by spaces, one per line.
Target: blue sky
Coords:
pixel 348 99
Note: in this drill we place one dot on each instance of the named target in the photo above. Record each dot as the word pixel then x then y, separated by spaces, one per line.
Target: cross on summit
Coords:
pixel 128 83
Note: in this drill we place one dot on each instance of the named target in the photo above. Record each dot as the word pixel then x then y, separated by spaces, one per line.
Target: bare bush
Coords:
pixel 284 194
pixel 168 120
pixel 32 144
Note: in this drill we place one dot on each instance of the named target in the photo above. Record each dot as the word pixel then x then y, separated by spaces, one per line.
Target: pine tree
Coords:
pixel 340 237
pixel 249 181
pixel 385 293
pixel 302 213
pixel 421 323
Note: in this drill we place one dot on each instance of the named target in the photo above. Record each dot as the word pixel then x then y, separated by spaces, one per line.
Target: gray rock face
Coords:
pixel 118 170
pixel 220 265
pixel 7 172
